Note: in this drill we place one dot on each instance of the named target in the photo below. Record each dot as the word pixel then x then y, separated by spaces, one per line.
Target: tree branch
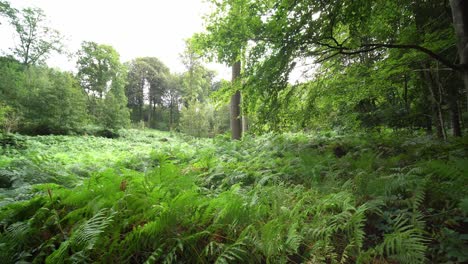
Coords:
pixel 340 49
pixel 429 52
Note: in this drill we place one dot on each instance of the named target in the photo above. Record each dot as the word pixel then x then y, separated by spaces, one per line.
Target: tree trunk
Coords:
pixel 171 116
pixel 245 124
pixel 436 98
pixel 236 122
pixel 245 120
pixel 150 113
pixel 405 95
pixel 455 115
pixel 429 125
pixel 452 100
pixel 460 23
pixel 454 110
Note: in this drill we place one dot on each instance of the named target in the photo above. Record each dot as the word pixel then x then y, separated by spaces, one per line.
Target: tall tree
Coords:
pixel 230 27
pixel 174 98
pixel 6 10
pixel 36 40
pixel 97 65
pixel 236 121
pixel 197 80
pixel 147 84
pixel 103 78
pixel 54 102
pixel 460 23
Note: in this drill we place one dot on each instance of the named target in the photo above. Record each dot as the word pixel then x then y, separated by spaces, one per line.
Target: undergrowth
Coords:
pixel 153 197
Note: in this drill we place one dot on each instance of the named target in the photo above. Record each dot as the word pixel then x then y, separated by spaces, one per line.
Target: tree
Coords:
pixel 54 103
pixel 97 65
pixel 232 24
pixel 197 80
pixel 103 78
pixel 40 100
pixel 6 10
pixel 460 23
pixel 9 119
pixel 346 31
pixel 36 40
pixel 236 121
pixel 135 90
pixel 12 89
pixel 147 84
pixel 174 98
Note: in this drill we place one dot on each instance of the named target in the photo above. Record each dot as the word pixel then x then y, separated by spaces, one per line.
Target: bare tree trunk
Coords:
pixel 236 122
pixel 460 23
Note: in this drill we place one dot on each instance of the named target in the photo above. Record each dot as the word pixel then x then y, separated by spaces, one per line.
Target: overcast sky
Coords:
pixel 134 28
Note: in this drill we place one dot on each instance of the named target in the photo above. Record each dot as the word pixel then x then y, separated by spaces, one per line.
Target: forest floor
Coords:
pixel 157 197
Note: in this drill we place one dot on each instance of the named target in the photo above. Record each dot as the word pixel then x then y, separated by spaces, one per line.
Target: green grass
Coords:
pixel 155 197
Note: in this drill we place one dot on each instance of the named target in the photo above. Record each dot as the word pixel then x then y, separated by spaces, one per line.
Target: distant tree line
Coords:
pixel 104 94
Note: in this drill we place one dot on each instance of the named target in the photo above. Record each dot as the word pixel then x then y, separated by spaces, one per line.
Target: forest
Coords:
pixel 341 137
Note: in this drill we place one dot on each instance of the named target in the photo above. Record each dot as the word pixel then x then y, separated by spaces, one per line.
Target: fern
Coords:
pixel 83 238
pixel 14 241
pixel 233 253
pixel 406 244
pixel 269 199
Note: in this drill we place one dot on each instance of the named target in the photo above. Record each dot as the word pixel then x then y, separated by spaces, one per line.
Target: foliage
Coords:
pixel 35 39
pixel 352 178
pixel 39 100
pixel 148 81
pixel 158 197
pixel 341 65
pixel 55 103
pixel 203 119
pixel 197 81
pixel 8 119
pixel 103 78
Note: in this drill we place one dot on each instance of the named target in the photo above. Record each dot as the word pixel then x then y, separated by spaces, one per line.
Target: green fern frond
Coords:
pixel 83 238
pixel 13 240
pixel 406 244
pixel 236 252
pixel 86 236
pixel 60 254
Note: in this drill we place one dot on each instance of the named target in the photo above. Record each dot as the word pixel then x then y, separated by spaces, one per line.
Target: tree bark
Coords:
pixel 455 115
pixel 245 119
pixel 171 116
pixel 436 98
pixel 460 23
pixel 149 113
pixel 236 122
pixel 405 95
pixel 245 124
